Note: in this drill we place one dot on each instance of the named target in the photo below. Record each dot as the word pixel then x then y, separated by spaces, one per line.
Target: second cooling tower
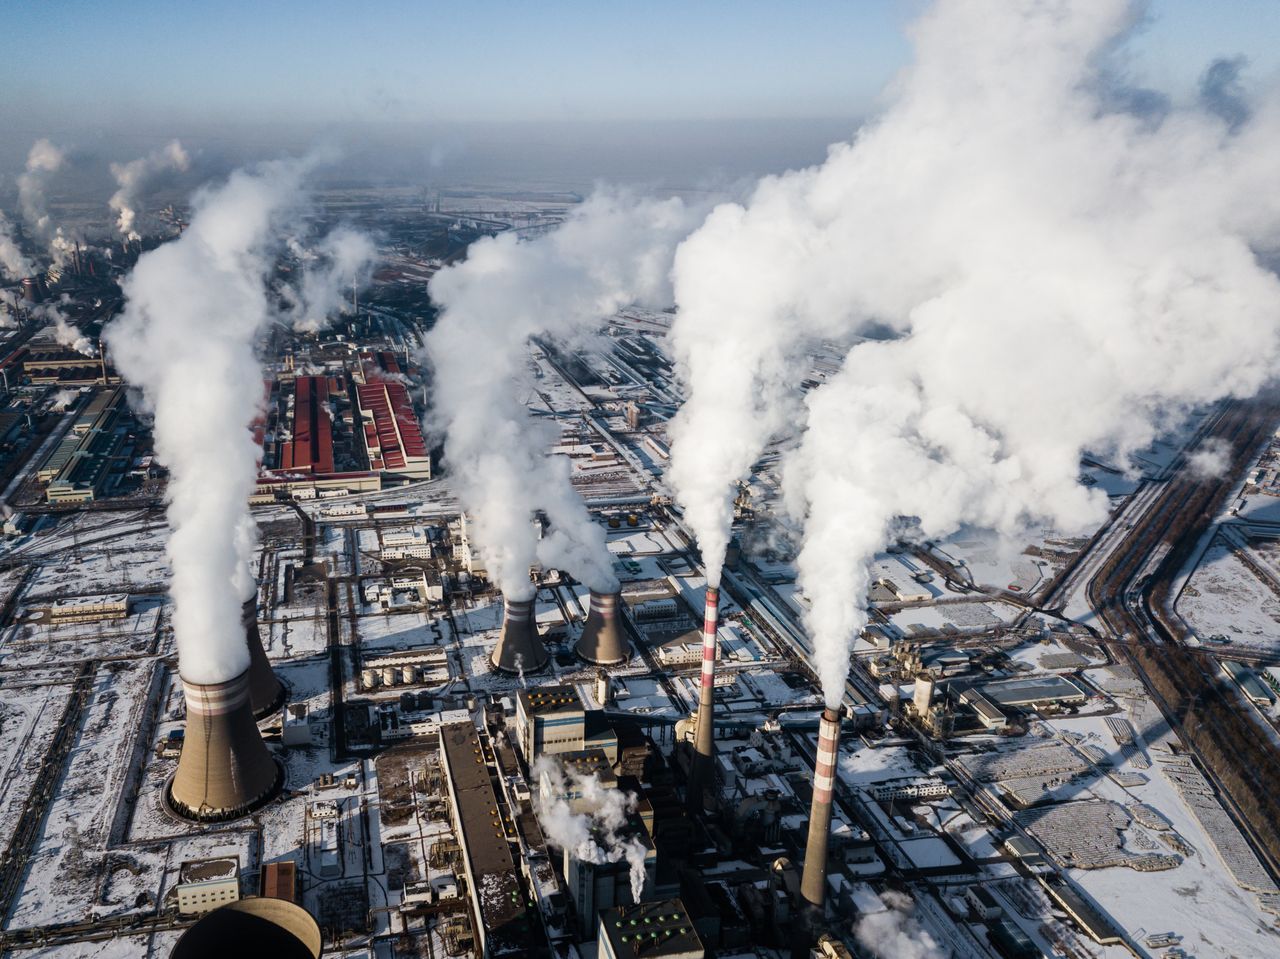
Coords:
pixel 266 692
pixel 603 642
pixel 225 769
pixel 519 649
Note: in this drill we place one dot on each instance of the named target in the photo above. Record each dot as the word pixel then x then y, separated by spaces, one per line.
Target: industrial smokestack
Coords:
pixel 30 289
pixel 813 885
pixel 701 770
pixel 225 770
pixel 519 649
pixel 266 692
pixel 602 642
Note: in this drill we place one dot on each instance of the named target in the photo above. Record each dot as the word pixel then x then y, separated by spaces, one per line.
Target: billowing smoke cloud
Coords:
pixel 340 262
pixel 194 308
pixel 66 332
pixel 13 263
pixel 593 834
pixel 43 160
pixel 613 251
pixel 1058 276
pixel 133 177
pixel 896 933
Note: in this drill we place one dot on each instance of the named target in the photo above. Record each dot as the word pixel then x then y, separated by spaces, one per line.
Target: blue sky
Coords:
pixel 575 90
pixel 327 61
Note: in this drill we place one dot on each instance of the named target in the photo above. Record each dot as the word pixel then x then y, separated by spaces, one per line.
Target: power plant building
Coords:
pixel 485 831
pixel 311 448
pixel 594 886
pixel 205 884
pixel 650 930
pixel 550 720
pixel 393 439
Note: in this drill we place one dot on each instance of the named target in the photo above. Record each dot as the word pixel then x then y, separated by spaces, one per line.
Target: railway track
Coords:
pixel 1130 594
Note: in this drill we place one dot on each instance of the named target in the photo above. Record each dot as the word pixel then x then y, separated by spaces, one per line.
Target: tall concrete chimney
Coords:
pixel 225 770
pixel 813 885
pixel 702 769
pixel 603 642
pixel 519 649
pixel 266 692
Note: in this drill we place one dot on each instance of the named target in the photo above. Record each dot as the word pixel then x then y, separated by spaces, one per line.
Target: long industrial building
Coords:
pixel 311 448
pixel 503 919
pixel 392 437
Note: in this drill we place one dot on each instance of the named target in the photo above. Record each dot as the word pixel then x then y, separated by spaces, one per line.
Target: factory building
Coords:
pixel 279 880
pixel 206 884
pixel 311 448
pixel 80 465
pixel 86 609
pixel 406 544
pixel 504 924
pixel 551 720
pixel 594 886
pixel 649 930
pixel 392 437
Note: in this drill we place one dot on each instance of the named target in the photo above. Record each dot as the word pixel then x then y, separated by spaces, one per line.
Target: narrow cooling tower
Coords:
pixel 602 642
pixel 701 770
pixel 519 649
pixel 225 769
pixel 266 692
pixel 813 885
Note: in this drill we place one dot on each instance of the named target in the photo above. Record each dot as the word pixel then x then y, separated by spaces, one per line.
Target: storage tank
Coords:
pixel 389 675
pixel 408 674
pixel 369 679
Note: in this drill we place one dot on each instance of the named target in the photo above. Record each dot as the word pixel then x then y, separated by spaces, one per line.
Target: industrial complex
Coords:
pixel 415 764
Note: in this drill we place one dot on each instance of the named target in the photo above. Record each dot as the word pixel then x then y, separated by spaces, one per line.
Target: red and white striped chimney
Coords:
pixel 701 771
pixel 813 884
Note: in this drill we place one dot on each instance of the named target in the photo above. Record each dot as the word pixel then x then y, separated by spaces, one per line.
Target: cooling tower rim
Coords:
pixel 603 662
pixel 179 814
pixel 282 696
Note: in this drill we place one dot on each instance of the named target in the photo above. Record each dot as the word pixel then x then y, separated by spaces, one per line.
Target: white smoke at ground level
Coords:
pixel 340 262
pixel 594 834
pixel 895 933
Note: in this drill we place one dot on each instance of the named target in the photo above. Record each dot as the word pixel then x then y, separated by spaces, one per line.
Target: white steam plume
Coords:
pixel 66 332
pixel 593 831
pixel 133 177
pixel 1059 276
pixel 340 261
pixel 194 308
pixel 13 263
pixel 612 251
pixel 896 933
pixel 43 160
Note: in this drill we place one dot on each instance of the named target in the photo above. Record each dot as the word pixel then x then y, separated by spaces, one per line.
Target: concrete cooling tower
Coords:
pixel 603 643
pixel 266 692
pixel 225 769
pixel 519 649
pixel 252 927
